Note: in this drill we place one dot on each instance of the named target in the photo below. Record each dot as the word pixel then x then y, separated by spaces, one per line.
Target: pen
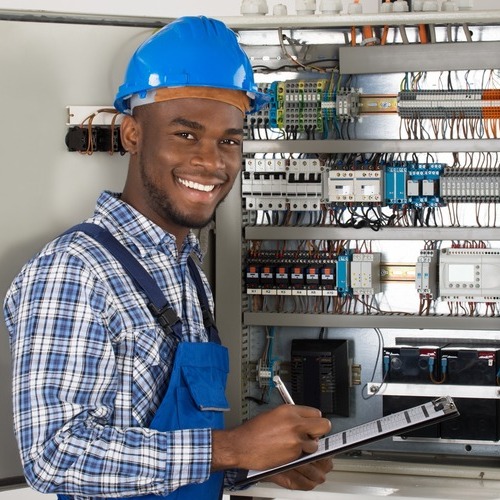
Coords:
pixel 283 390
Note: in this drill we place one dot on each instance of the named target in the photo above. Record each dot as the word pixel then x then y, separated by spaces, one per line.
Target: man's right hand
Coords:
pixel 270 439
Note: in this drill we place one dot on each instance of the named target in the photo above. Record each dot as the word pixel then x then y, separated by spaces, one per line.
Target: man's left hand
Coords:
pixel 306 477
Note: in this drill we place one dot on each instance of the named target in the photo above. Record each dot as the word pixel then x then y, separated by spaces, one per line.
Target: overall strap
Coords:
pixel 208 319
pixel 158 304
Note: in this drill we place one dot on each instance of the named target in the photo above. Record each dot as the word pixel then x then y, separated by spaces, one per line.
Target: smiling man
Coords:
pixel 118 371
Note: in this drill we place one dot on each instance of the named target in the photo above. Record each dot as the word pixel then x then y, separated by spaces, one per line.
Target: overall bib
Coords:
pixel 195 398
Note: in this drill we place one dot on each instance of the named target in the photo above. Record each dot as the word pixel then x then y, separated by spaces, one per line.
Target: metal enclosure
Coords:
pixel 376 70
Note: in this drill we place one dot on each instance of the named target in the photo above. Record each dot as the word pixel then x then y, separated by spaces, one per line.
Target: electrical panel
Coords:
pixel 369 214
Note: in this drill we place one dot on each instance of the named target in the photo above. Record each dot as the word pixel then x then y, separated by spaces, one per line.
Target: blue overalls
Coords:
pixel 195 397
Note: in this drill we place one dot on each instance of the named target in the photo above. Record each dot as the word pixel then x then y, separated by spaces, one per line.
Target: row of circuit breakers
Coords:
pixel 320 378
pixel 306 184
pixel 452 274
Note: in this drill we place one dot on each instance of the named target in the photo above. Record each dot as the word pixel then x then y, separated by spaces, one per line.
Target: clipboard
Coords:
pixel 431 412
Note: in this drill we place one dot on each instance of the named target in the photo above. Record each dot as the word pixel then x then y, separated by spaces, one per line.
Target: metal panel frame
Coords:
pixel 417 57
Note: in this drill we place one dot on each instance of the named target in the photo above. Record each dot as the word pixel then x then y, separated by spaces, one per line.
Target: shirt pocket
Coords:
pixel 152 364
pixel 147 346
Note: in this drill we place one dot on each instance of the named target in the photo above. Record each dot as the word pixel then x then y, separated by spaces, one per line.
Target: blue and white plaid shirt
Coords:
pixel 90 365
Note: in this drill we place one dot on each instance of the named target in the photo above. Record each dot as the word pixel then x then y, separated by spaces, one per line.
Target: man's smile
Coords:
pixel 195 185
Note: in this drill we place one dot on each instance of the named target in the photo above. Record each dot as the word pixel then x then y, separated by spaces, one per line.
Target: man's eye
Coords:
pixel 185 135
pixel 231 142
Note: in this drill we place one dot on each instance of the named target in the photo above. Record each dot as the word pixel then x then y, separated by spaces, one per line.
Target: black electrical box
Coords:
pixel 471 366
pixel 479 417
pixel 409 364
pixel 320 375
pixel 478 420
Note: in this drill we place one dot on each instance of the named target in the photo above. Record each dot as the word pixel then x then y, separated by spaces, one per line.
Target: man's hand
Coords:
pixel 306 477
pixel 270 439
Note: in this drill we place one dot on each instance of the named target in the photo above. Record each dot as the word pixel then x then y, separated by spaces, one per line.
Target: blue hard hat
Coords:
pixel 194 52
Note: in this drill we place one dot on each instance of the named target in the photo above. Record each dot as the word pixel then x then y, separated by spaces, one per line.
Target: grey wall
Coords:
pixel 43 187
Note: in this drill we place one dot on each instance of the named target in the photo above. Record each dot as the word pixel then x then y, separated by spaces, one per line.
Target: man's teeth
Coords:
pixel 195 185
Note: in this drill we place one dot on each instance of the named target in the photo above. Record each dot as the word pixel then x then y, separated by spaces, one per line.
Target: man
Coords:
pixel 113 395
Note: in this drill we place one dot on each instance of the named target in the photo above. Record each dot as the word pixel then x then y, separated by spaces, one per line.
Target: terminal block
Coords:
pixel 296 105
pixel 266 372
pixel 259 119
pixel 347 104
pixel 419 104
pixel 470 186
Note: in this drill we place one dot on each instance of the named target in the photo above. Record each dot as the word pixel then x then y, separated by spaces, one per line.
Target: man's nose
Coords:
pixel 208 155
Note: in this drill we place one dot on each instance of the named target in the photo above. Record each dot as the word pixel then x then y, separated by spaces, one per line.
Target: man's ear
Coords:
pixel 129 133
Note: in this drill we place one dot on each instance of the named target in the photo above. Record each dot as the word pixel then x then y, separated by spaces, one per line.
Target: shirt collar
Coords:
pixel 122 217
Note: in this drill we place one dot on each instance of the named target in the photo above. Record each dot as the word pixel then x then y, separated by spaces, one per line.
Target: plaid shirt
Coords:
pixel 90 365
